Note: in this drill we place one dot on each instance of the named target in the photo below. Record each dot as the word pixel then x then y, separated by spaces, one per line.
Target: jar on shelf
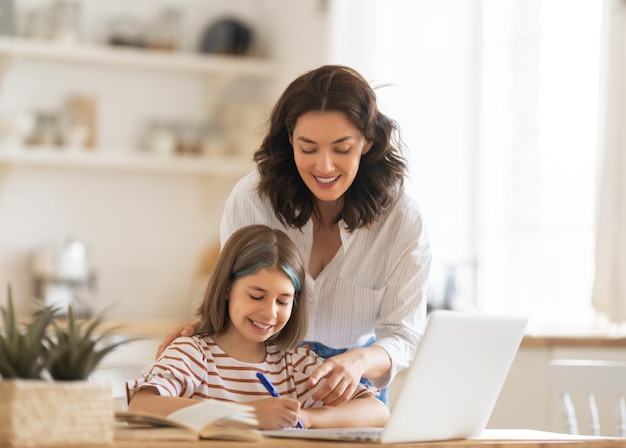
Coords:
pixel 45 130
pixel 188 139
pixel 78 122
pixel 14 128
pixel 210 140
pixel 165 32
pixel 160 138
pixel 65 21
pixel 126 31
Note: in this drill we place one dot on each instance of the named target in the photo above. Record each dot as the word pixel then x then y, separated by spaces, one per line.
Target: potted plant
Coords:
pixel 45 396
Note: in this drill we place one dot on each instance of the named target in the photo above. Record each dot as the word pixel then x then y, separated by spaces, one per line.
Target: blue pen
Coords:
pixel 270 388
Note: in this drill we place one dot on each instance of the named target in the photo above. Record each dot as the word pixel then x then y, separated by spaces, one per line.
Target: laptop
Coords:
pixel 450 388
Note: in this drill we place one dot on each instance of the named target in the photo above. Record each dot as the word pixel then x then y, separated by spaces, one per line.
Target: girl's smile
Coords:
pixel 259 306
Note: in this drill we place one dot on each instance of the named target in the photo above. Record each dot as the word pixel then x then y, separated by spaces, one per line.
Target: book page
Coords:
pixel 206 412
pixel 205 419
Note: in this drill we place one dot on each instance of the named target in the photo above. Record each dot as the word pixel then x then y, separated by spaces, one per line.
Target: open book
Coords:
pixel 209 419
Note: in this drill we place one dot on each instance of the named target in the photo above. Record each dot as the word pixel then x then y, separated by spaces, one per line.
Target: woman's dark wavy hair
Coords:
pixel 381 171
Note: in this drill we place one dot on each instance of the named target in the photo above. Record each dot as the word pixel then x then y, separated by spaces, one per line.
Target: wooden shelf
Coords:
pixel 126 161
pixel 222 71
pixel 128 57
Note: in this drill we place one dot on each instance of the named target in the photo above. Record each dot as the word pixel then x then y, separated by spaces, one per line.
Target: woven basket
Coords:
pixel 60 413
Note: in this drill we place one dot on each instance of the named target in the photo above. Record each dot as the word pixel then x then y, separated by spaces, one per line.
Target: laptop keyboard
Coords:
pixel 366 434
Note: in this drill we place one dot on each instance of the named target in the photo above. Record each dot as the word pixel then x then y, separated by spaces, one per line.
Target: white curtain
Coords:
pixel 609 290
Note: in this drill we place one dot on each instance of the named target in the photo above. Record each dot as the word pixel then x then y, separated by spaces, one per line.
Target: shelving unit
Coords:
pixel 14 48
pixel 220 71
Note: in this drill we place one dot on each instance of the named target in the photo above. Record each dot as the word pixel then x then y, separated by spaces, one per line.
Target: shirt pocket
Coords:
pixel 357 310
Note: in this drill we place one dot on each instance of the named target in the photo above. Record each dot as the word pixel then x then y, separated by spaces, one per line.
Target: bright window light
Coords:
pixel 537 161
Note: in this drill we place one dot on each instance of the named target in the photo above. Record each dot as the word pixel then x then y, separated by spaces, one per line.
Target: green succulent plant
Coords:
pixel 22 352
pixel 79 348
pixel 67 349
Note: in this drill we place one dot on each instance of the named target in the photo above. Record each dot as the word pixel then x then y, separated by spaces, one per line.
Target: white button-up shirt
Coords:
pixel 375 285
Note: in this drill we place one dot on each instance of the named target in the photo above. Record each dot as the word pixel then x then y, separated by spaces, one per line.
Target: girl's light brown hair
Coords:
pixel 248 250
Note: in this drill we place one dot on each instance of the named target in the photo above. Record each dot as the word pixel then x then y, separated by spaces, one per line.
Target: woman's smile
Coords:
pixel 326 181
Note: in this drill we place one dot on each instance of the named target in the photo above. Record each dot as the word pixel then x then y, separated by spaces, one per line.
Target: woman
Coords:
pixel 330 173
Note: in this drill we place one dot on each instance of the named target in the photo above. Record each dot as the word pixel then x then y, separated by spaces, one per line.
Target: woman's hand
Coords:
pixel 276 412
pixel 189 329
pixel 342 374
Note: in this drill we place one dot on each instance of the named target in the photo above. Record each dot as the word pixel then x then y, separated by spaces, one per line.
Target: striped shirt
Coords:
pixel 196 367
pixel 373 288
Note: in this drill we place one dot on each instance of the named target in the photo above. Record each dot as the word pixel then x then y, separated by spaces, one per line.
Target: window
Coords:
pixel 536 159
pixel 497 101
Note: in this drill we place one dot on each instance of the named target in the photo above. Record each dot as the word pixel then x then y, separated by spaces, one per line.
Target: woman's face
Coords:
pixel 260 305
pixel 327 150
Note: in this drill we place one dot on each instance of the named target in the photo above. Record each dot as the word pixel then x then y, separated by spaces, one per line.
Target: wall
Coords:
pixel 149 234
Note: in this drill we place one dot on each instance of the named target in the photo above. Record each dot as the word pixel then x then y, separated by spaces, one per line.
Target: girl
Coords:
pixel 252 318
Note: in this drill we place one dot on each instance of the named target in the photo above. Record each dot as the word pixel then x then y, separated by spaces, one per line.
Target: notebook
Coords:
pixel 450 388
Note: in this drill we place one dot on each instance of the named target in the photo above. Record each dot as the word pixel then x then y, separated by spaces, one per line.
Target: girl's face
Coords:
pixel 259 305
pixel 327 150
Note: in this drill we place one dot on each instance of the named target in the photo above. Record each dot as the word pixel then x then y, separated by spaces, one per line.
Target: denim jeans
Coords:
pixel 326 352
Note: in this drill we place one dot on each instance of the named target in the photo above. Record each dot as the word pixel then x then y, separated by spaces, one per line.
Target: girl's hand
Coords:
pixel 188 329
pixel 277 412
pixel 342 373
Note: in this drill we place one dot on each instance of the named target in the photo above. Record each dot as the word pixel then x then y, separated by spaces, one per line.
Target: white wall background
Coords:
pixel 148 233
